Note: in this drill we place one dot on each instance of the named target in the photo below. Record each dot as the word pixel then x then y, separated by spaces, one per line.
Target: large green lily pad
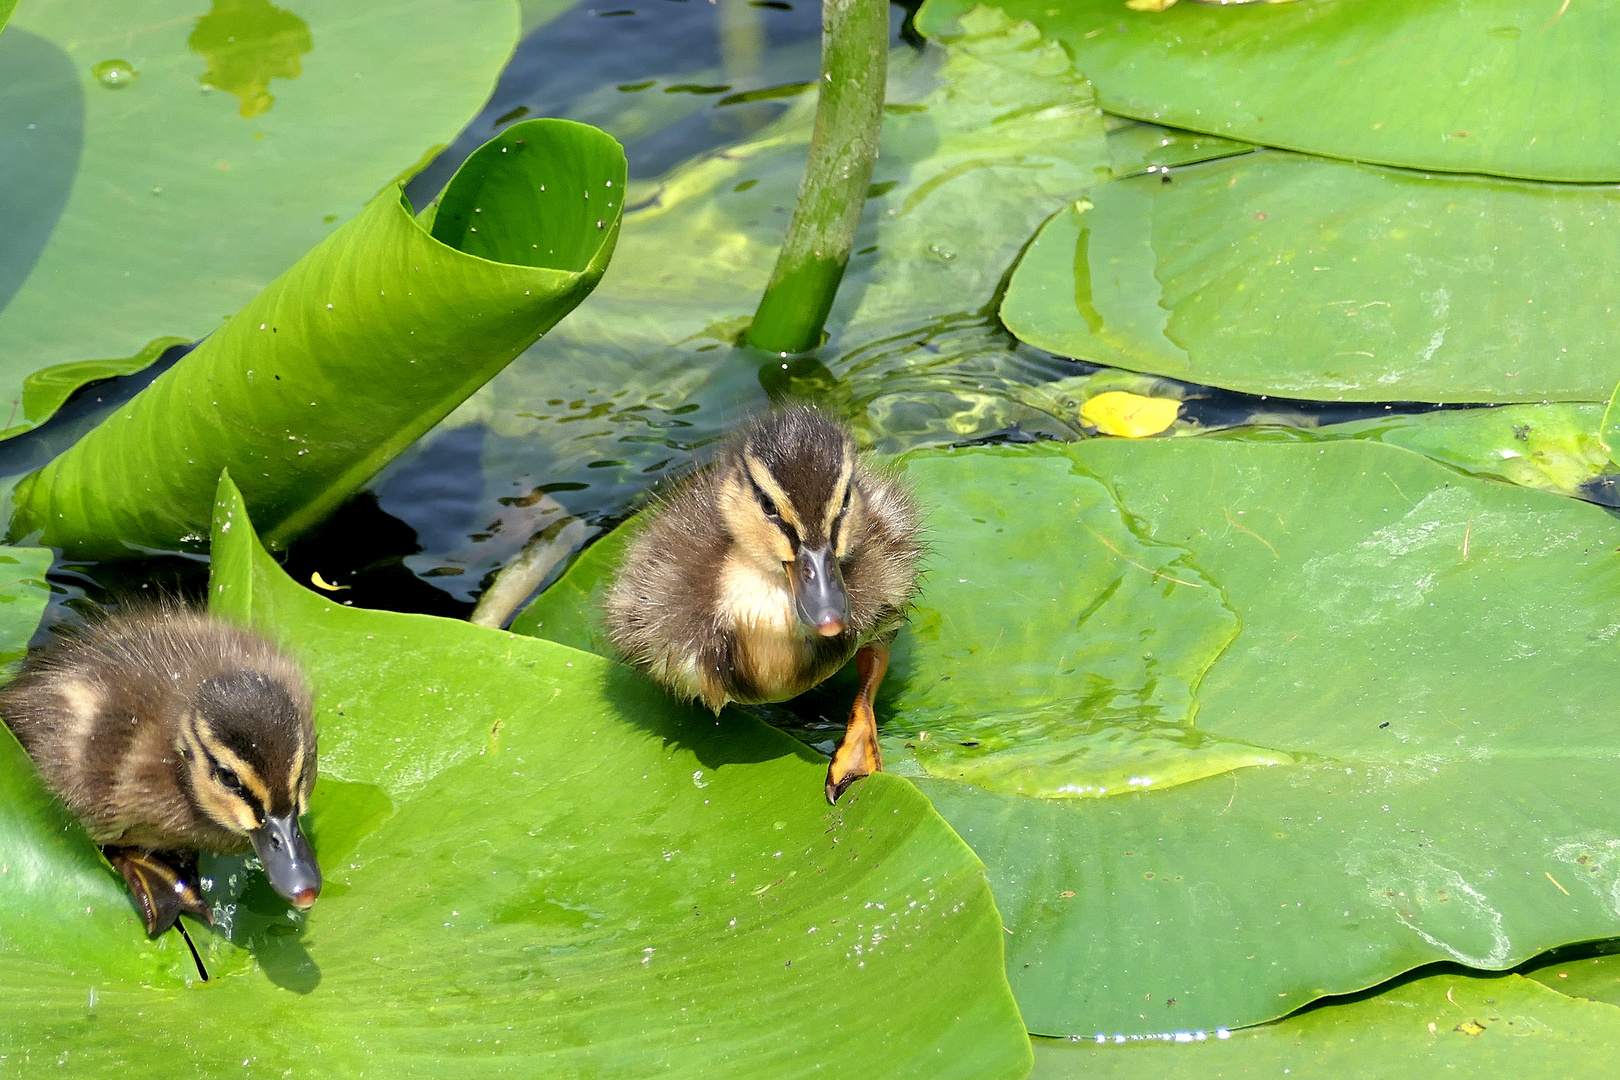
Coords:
pixel 1278 274
pixel 537 863
pixel 163 160
pixel 1450 1024
pixel 1505 87
pixel 1399 758
pixel 288 393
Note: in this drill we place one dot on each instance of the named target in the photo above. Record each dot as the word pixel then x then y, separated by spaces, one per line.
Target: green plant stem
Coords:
pixel 843 147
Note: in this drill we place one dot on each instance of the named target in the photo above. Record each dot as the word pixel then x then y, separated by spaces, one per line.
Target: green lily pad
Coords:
pixel 1276 274
pixel 1504 87
pixel 169 159
pixel 1135 147
pixel 1449 1024
pixel 1069 676
pixel 286 396
pixel 535 863
pixel 1421 656
pixel 1427 803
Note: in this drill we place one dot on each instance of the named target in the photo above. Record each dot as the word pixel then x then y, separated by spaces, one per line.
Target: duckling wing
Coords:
pixel 662 611
pixel 880 575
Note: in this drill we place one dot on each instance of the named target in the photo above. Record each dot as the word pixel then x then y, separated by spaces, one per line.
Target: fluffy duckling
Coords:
pixel 168 732
pixel 764 573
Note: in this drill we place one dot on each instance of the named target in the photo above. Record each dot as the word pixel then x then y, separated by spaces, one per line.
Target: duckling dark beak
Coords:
pixel 288 861
pixel 818 591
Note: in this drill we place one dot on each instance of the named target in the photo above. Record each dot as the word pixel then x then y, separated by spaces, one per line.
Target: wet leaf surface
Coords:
pixel 1070 675
pixel 537 864
pixel 215 146
pixel 1278 274
pixel 1501 87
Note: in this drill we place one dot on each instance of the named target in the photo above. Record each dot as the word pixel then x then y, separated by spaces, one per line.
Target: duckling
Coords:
pixel 764 573
pixel 168 732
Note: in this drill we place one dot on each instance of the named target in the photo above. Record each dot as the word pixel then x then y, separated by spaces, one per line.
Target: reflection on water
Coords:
pixel 616 69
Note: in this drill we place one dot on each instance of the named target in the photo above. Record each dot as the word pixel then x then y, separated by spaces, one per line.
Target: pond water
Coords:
pixel 595 426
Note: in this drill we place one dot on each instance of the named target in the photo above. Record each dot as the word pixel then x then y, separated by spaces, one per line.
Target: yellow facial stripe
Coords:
pixel 767 483
pixel 244 772
pixel 836 505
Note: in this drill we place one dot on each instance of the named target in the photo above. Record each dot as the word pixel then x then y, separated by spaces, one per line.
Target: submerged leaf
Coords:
pixel 983 139
pixel 1547 447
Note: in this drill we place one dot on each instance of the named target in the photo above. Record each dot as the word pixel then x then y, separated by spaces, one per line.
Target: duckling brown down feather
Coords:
pixel 168 731
pixel 765 573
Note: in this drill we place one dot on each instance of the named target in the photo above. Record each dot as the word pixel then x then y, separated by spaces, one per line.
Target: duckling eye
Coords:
pixel 228 778
pixel 767 504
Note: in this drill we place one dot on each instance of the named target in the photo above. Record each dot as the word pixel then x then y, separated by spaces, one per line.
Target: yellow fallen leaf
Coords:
pixel 1470 1027
pixel 1149 5
pixel 319 582
pixel 1129 415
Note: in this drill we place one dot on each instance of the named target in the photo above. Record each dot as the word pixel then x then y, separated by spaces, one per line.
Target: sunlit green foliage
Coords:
pixel 1276 708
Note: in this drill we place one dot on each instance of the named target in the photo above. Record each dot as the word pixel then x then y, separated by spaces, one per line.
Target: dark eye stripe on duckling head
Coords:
pixel 803 451
pixel 249 724
pixel 773 500
pixel 226 787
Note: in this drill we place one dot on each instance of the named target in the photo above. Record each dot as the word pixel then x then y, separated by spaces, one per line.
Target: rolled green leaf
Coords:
pixel 349 357
pixel 843 148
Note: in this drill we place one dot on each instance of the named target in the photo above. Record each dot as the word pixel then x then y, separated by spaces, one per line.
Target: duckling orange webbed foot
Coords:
pixel 165 885
pixel 858 754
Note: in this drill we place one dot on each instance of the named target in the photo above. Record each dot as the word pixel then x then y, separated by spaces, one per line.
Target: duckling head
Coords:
pixel 789 499
pixel 249 748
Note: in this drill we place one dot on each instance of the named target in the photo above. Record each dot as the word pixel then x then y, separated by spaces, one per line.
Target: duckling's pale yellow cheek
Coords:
pixel 227 809
pixel 754 597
